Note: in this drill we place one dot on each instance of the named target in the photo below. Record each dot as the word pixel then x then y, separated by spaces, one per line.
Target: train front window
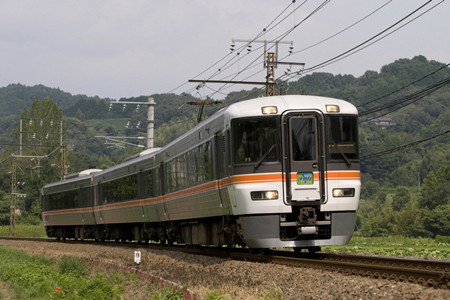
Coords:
pixel 255 140
pixel 342 137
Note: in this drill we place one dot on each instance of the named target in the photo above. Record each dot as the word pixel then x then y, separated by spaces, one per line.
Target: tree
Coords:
pixel 401 198
pixel 436 188
pixel 437 221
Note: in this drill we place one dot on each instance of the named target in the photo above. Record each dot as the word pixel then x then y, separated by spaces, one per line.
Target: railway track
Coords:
pixel 432 273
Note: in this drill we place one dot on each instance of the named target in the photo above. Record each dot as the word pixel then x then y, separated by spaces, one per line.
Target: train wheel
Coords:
pixel 313 250
pixel 297 249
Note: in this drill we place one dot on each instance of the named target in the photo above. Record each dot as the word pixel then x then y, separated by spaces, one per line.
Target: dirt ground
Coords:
pixel 236 279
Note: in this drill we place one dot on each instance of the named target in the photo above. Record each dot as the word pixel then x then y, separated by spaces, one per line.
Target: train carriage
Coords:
pixel 279 171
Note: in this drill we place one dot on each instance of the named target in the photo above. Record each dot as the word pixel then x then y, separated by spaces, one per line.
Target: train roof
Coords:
pixel 289 102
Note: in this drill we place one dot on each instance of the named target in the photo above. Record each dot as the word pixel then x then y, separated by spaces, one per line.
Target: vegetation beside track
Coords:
pixel 25 230
pixel 438 248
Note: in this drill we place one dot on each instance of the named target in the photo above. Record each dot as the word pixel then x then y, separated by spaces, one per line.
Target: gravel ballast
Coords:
pixel 237 279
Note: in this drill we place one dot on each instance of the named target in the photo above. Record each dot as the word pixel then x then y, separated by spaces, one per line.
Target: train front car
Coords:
pixel 296 178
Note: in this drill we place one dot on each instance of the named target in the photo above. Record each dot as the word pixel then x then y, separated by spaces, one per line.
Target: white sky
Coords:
pixel 112 48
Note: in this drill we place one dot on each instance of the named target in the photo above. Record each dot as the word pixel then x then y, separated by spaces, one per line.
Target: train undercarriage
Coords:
pixel 305 228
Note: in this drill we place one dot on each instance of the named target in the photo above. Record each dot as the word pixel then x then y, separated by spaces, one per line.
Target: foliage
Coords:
pixel 396 246
pixel 25 230
pixel 38 278
pixel 436 188
pixel 166 293
pixel 215 295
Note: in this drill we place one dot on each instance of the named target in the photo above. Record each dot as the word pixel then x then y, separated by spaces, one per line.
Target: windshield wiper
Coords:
pixel 347 162
pixel 259 162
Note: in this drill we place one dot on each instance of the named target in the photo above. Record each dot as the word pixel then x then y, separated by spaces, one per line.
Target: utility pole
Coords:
pixel 14 194
pixel 270 63
pixel 12 216
pixel 150 121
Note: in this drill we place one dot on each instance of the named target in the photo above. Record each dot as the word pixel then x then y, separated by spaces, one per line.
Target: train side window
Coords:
pixel 147 183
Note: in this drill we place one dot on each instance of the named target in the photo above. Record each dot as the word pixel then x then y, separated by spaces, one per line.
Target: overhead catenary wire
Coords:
pixel 366 43
pixel 411 98
pixel 405 146
pixel 342 30
pixel 403 87
pixel 265 30
pixel 370 39
pixel 280 37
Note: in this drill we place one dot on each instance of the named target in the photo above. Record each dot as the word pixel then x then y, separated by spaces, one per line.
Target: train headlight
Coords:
pixel 343 192
pixel 264 195
pixel 269 110
pixel 332 108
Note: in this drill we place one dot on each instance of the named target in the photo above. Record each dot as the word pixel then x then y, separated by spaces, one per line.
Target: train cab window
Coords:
pixel 303 136
pixel 342 137
pixel 254 139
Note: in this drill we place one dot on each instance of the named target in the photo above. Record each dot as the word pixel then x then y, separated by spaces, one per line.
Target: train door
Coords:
pixel 221 163
pixel 303 157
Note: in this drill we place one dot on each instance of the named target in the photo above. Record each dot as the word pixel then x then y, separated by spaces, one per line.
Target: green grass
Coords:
pixel 396 246
pixel 21 230
pixel 37 277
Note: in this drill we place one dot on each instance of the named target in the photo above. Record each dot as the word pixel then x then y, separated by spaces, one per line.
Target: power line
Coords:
pixel 264 31
pixel 402 88
pixel 376 154
pixel 359 47
pixel 412 98
pixel 280 37
pixel 343 30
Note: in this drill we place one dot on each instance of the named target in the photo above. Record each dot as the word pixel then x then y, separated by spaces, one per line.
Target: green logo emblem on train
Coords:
pixel 305 178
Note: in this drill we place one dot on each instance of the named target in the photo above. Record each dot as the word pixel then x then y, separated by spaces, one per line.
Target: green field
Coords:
pixel 438 248
pixel 31 231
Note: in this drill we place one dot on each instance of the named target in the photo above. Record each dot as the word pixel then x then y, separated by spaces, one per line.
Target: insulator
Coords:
pixel 31 122
pixel 41 122
pixel 137 107
pixel 51 123
pixel 124 107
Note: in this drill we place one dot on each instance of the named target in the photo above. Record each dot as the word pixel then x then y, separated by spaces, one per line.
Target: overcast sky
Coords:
pixel 112 48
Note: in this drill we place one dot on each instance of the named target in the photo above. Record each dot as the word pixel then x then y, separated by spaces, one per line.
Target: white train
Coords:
pixel 279 171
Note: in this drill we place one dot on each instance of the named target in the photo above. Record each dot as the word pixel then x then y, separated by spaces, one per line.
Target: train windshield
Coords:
pixel 255 140
pixel 342 137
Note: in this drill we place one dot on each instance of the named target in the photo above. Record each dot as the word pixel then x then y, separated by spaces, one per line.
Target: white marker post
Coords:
pixel 137 257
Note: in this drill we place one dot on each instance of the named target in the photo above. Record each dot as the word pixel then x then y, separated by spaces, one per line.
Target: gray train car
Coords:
pixel 279 171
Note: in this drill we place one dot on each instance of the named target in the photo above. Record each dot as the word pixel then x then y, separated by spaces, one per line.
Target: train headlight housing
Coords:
pixel 264 195
pixel 343 192
pixel 269 110
pixel 332 108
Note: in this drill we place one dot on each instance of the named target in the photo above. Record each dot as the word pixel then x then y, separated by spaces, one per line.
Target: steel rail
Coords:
pixel 427 272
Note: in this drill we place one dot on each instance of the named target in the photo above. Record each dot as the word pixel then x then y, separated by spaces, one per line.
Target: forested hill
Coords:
pixel 404 139
pixel 412 95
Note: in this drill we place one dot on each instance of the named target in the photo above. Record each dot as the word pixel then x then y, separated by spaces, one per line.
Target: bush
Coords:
pixel 440 239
